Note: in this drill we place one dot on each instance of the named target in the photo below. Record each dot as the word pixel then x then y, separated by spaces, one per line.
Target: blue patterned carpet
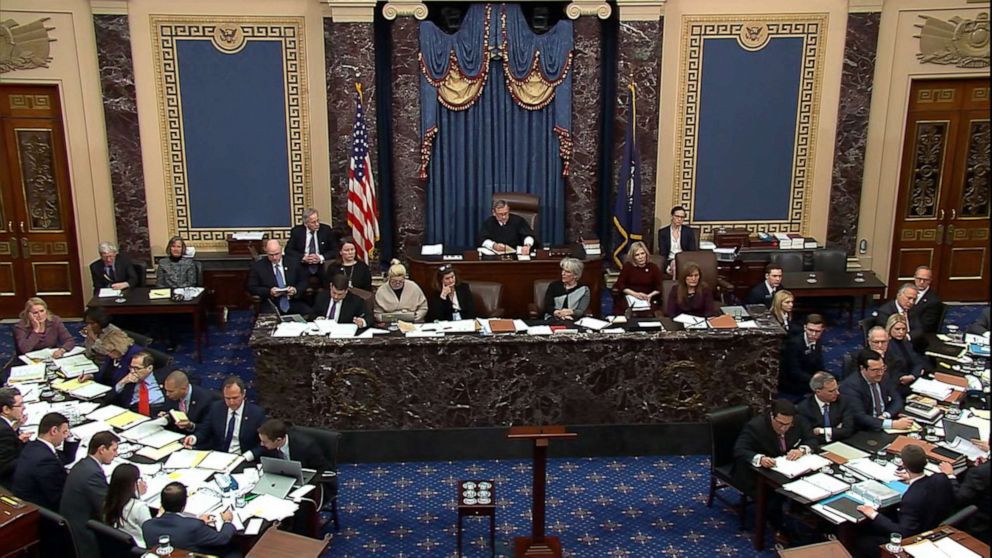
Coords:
pixel 600 508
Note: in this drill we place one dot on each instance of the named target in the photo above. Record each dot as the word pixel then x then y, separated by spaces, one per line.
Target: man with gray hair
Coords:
pixel 113 270
pixel 902 304
pixel 312 243
pixel 504 231
pixel 830 418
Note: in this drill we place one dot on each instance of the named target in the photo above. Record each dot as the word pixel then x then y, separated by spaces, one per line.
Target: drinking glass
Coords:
pixel 895 543
pixel 164 545
pixel 880 457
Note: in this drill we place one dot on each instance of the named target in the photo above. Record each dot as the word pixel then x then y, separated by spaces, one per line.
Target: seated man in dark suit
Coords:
pixel 138 390
pixel 113 270
pixel 40 473
pixel 926 311
pixel 802 356
pixel 505 231
pixel 873 396
pixel 339 305
pixel 675 238
pixel 763 292
pixel 12 440
pixel 902 304
pixel 903 372
pixel 780 432
pixel 282 441
pixel 312 243
pixel 928 500
pixel 189 533
pixel 278 282
pixel 232 425
pixel 86 489
pixel 829 416
pixel 192 401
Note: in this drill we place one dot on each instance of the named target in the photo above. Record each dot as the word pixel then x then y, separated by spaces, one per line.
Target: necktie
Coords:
pixel 781 443
pixel 876 399
pixel 110 273
pixel 281 283
pixel 143 407
pixel 182 404
pixel 826 415
pixel 312 249
pixel 330 311
pixel 230 430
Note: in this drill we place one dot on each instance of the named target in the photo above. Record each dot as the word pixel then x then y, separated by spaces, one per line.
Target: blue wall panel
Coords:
pixel 747 128
pixel 234 123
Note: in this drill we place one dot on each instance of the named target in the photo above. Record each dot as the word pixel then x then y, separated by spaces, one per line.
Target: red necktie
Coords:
pixel 143 406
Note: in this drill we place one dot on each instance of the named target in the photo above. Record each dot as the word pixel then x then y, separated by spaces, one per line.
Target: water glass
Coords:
pixel 239 501
pixel 164 545
pixel 895 543
pixel 880 457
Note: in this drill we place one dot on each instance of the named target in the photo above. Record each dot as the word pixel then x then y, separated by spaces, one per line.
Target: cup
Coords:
pixel 164 546
pixel 895 543
pixel 880 457
pixel 239 501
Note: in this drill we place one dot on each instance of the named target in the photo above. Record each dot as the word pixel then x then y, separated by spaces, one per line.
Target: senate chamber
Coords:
pixel 625 278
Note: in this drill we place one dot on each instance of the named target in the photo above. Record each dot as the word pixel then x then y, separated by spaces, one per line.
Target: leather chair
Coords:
pixel 139 338
pixel 725 427
pixel 849 365
pixel 141 268
pixel 791 261
pixel 707 263
pixel 527 206
pixel 488 298
pixel 959 517
pixel 368 297
pixel 113 543
pixel 830 260
pixel 57 539
pixel 535 309
pixel 328 441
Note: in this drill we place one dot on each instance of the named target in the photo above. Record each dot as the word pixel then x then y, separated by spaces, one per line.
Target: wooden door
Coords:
pixel 942 217
pixel 38 251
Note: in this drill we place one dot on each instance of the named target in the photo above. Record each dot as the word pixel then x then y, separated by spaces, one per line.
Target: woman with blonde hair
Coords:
pixel 640 280
pixel 399 295
pixel 900 357
pixel 782 304
pixel 39 329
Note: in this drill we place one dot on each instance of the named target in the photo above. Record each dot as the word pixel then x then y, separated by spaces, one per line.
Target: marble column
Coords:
pixel 852 130
pixel 581 185
pixel 409 194
pixel 113 42
pixel 640 61
pixel 349 53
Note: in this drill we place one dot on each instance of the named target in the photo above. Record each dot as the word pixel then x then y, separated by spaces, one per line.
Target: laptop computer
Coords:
pixel 954 430
pixel 280 476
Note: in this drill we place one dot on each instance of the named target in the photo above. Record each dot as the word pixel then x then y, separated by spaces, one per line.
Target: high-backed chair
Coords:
pixel 706 260
pixel 368 298
pixel 113 543
pixel 536 309
pixel 139 338
pixel 527 206
pixel 725 427
pixel 790 261
pixel 328 441
pixel 488 298
pixel 830 260
pixel 57 539
pixel 141 268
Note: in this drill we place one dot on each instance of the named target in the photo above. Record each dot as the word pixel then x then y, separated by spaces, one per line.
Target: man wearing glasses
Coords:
pixel 802 356
pixel 873 395
pixel 675 238
pixel 138 390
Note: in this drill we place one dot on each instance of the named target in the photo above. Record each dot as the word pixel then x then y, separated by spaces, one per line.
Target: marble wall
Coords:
pixel 409 194
pixel 852 130
pixel 581 193
pixel 349 53
pixel 640 61
pixel 113 43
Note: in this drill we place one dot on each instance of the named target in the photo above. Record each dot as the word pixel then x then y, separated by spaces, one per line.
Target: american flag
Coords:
pixel 363 212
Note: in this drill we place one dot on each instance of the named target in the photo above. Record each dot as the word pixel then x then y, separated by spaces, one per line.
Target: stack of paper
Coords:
pixel 593 323
pixel 932 388
pixel 218 461
pixel 691 322
pixel 27 373
pixel 76 365
pixel 800 466
pixel 291 329
pixel 248 235
pixel 637 304
pixel 108 293
pixel 817 487
pixel 270 508
pixel 127 419
pixel 185 459
pixel 866 468
pixel 156 454
pixel 336 330
pixel 86 431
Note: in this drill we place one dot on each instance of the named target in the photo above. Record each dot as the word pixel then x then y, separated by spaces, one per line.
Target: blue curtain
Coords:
pixel 494 144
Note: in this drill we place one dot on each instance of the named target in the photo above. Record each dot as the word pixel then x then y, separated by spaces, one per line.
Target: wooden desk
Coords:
pixel 841 285
pixel 829 549
pixel 517 277
pixel 136 301
pixel 20 528
pixel 225 276
pixel 280 544
pixel 964 539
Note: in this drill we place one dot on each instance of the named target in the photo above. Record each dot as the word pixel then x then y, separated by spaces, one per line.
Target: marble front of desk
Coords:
pixel 471 381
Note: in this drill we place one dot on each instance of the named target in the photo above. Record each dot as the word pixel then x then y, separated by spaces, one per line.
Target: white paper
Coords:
pixel 217 461
pixel 253 527
pixel 931 388
pixel 432 249
pixel 271 508
pixel 90 390
pixel 926 549
pixel 953 548
pixel 649 325
pixel 335 330
pixel 297 494
pixel 27 373
pixel 34 356
pixel 868 468
pixel 806 490
pixel 106 413
pixel 161 438
pixel 636 304
pixel 844 450
pixel 422 333
pixel 593 323
pixel 519 325
pixel 799 466
pixel 136 433
pixel 970 450
pixel 248 235
pixel 108 293
pixel 203 501
pixel 982 424
pixel 539 330
pixel 86 431
pixel 76 365
pixel 182 459
pixel 291 329
pixel 456 326
pixel 829 514
pixel 748 324
pixel 612 330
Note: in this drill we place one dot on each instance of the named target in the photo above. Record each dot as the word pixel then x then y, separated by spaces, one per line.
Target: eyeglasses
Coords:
pixel 782 424
pixel 679 216
pixel 136 367
pixel 924 279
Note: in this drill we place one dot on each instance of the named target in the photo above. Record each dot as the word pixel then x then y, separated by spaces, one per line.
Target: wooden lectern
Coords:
pixel 537 544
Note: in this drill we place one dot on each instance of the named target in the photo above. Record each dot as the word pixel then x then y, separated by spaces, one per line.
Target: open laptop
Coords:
pixel 280 476
pixel 954 430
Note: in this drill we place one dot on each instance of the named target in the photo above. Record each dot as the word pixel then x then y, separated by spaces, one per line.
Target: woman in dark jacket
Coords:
pixel 451 299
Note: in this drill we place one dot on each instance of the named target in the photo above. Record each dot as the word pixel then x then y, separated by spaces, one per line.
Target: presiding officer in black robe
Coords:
pixel 505 231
